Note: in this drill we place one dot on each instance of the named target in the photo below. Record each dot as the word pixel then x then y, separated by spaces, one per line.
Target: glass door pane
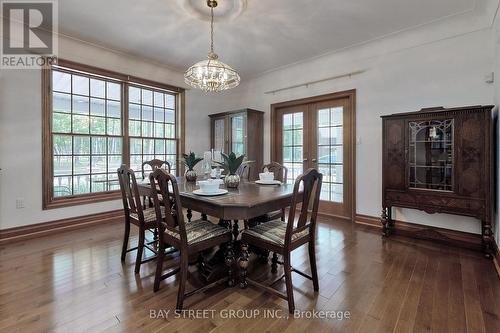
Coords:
pixel 330 152
pixel 238 134
pixel 293 146
pixel 431 155
pixel 219 134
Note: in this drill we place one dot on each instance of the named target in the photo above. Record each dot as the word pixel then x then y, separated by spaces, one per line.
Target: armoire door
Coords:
pixel 237 142
pixel 319 135
pixel 219 136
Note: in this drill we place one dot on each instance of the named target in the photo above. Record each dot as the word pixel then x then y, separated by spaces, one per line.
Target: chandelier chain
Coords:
pixel 212 29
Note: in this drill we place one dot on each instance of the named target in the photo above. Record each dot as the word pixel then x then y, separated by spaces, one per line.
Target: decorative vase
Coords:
pixel 232 181
pixel 190 175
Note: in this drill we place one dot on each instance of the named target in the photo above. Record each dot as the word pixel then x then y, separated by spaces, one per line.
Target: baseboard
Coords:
pixel 49 228
pixel 445 236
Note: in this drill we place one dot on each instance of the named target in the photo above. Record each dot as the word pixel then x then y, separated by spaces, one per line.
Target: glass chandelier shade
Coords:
pixel 211 75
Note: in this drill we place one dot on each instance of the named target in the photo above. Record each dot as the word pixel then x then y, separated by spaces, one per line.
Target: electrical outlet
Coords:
pixel 19 203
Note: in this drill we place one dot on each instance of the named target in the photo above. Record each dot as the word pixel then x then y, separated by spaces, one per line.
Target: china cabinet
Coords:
pixel 241 132
pixel 440 161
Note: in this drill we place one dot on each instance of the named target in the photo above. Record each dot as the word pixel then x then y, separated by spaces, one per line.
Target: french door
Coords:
pixel 318 133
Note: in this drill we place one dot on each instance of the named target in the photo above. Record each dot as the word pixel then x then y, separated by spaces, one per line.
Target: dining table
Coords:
pixel 244 203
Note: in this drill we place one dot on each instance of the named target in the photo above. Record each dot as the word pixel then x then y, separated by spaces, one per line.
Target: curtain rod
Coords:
pixel 317 81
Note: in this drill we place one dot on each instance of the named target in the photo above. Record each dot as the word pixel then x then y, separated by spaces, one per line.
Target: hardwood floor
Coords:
pixel 75 282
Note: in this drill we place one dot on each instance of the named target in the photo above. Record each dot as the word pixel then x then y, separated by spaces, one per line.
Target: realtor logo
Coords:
pixel 28 30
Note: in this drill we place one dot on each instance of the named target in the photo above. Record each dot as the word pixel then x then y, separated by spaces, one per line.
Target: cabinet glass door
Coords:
pixel 431 155
pixel 238 134
pixel 219 135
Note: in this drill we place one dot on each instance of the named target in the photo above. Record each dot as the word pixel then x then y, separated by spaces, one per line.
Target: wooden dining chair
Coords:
pixel 150 166
pixel 153 165
pixel 280 173
pixel 135 214
pixel 189 238
pixel 244 171
pixel 283 238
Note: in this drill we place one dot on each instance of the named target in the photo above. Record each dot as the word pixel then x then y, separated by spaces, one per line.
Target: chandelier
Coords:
pixel 211 75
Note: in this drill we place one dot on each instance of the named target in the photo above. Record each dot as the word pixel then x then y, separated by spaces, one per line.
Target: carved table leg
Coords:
pixel 274 263
pixel 229 260
pixel 204 217
pixel 236 231
pixel 487 240
pixel 189 214
pixel 243 263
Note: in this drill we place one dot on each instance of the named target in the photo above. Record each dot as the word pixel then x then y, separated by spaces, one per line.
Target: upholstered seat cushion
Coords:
pixel 273 232
pixel 200 230
pixel 149 215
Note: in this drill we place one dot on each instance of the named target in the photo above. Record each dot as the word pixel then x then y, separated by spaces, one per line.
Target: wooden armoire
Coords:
pixel 440 161
pixel 241 132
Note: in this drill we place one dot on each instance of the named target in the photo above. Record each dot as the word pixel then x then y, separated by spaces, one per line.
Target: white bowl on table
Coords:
pixel 266 176
pixel 209 186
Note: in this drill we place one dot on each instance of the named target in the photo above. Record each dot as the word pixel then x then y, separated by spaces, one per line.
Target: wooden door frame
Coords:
pixel 349 94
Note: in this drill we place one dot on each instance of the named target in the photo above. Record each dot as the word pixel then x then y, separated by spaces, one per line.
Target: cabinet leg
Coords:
pixel 390 221
pixel 487 240
pixel 189 214
pixel 384 220
pixel 204 217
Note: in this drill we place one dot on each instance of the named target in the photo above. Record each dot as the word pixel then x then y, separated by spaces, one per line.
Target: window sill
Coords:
pixel 81 199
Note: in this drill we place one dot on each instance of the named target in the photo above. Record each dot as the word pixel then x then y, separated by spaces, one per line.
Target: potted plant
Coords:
pixel 231 163
pixel 190 161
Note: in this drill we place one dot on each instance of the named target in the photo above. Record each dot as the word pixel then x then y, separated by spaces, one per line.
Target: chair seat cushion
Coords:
pixel 149 215
pixel 200 230
pixel 273 232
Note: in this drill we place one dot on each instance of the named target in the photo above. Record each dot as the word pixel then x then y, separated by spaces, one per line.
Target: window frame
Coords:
pixel 48 199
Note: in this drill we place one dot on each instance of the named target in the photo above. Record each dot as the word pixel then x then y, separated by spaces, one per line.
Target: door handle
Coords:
pixel 314 160
pixel 305 160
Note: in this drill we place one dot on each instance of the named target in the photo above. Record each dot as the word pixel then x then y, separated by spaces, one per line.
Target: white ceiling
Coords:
pixel 254 36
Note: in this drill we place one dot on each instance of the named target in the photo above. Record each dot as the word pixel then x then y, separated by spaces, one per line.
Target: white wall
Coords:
pixel 20 130
pixel 496 41
pixel 405 72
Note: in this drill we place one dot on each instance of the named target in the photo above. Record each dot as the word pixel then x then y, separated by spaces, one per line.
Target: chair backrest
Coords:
pixel 153 165
pixel 130 192
pixel 244 170
pixel 280 171
pixel 311 182
pixel 172 218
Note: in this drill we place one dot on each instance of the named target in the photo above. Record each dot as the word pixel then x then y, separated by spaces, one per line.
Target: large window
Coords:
pixel 152 126
pixel 96 120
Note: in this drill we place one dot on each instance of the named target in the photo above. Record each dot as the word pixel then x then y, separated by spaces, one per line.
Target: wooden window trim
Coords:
pixel 48 200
